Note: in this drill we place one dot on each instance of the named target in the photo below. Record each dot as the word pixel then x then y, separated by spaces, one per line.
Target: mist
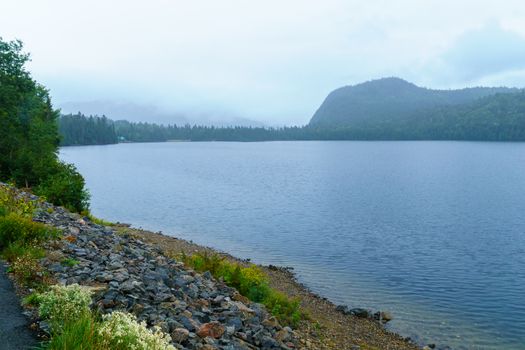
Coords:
pixel 258 62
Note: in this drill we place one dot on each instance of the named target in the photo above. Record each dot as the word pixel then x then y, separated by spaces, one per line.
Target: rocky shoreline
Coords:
pixel 330 327
pixel 132 270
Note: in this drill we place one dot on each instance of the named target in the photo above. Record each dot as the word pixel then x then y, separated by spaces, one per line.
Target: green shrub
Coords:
pixel 251 282
pixel 16 249
pixel 27 270
pixel 16 228
pixel 65 187
pixel 63 304
pixel 12 202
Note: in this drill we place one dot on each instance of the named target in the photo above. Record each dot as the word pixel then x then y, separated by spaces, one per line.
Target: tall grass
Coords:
pixel 20 237
pixel 250 281
pixel 79 334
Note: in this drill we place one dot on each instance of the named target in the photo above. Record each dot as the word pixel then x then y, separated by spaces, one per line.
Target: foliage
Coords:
pixel 96 220
pixel 75 326
pixel 32 299
pixel 65 187
pixel 12 202
pixel 63 304
pixel 78 334
pixel 69 262
pixel 78 129
pixel 18 248
pixel 27 270
pixel 29 136
pixel 116 331
pixel 16 228
pixel 250 281
pixel 122 331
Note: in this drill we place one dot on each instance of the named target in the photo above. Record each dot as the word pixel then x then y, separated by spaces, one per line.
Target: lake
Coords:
pixel 433 232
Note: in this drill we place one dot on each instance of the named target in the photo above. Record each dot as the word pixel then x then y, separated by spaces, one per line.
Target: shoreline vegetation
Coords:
pixel 58 248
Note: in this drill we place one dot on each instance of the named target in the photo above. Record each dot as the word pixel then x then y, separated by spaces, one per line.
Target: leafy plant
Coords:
pixel 17 228
pixel 27 270
pixel 122 331
pixel 63 304
pixel 17 249
pixel 12 202
pixel 65 187
pixel 78 334
pixel 250 281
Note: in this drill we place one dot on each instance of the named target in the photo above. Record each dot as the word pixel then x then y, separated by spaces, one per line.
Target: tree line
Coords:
pixel 500 117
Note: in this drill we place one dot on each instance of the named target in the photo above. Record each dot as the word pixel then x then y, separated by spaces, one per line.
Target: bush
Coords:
pixel 122 331
pixel 251 282
pixel 17 249
pixel 65 187
pixel 12 202
pixel 27 270
pixel 64 304
pixel 16 228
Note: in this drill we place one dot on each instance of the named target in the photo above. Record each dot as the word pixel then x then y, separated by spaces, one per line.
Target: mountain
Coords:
pixel 390 100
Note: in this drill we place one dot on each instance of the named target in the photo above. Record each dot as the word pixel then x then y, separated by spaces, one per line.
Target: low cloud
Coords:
pixel 483 55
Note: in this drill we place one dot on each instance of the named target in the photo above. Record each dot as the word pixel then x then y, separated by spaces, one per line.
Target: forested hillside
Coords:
pixel 387 109
pixel 389 100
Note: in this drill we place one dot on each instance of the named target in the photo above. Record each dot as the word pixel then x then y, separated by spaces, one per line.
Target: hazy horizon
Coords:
pixel 270 63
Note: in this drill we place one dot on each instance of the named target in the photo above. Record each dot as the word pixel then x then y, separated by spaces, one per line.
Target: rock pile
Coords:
pixel 198 311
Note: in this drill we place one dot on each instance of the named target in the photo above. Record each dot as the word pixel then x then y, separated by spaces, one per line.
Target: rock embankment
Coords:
pixel 128 274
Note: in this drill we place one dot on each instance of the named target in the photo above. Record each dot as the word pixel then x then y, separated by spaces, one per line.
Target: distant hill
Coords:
pixel 391 101
pixel 385 109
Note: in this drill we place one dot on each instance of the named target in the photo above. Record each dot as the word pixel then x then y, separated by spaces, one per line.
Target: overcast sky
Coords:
pixel 273 61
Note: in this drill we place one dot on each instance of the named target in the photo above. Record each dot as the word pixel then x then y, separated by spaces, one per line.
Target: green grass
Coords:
pixel 79 334
pixel 32 299
pixel 96 220
pixel 17 228
pixel 21 238
pixel 69 262
pixel 17 249
pixel 251 282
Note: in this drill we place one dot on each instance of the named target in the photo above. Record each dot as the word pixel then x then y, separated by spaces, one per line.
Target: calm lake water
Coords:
pixel 432 231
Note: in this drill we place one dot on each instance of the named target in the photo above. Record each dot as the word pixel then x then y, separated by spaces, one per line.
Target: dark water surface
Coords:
pixel 432 231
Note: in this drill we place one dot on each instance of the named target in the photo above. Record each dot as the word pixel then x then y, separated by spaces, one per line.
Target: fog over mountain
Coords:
pixel 391 100
pixel 269 61
pixel 135 112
